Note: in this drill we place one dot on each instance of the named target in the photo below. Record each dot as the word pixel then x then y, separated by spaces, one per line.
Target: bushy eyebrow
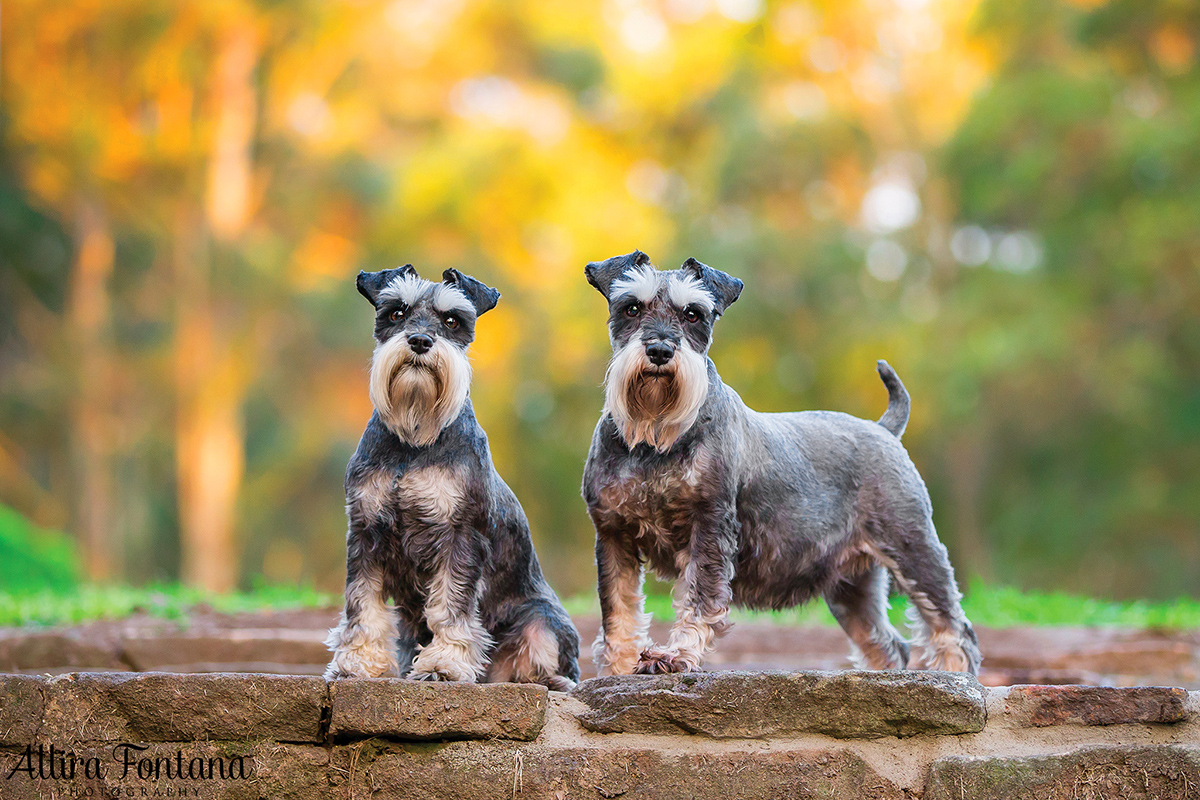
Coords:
pixel 685 290
pixel 450 298
pixel 641 283
pixel 408 289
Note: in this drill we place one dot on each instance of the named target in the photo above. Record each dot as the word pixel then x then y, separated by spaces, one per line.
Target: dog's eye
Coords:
pixel 691 315
pixel 397 315
pixel 450 321
pixel 633 310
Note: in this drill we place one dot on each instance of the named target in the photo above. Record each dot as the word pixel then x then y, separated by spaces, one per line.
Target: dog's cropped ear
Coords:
pixel 602 274
pixel 370 284
pixel 723 287
pixel 482 296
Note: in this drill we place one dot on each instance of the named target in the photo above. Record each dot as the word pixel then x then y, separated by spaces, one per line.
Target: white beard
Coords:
pixel 418 396
pixel 654 408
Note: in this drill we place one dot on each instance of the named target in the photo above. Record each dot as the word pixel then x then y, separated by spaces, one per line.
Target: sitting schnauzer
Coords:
pixel 432 525
pixel 737 506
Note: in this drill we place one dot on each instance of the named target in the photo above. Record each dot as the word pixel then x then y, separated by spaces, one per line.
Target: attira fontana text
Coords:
pixel 128 762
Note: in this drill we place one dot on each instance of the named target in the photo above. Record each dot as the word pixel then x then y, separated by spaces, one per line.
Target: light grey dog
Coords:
pixel 737 506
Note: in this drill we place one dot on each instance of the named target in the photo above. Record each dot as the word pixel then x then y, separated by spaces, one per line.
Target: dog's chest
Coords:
pixel 657 502
pixel 430 496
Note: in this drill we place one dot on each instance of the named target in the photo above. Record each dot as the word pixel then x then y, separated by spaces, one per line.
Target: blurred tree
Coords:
pixel 1089 134
pixel 209 368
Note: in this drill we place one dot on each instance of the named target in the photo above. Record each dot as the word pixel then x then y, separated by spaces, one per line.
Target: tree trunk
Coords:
pixel 209 437
pixel 88 318
pixel 209 379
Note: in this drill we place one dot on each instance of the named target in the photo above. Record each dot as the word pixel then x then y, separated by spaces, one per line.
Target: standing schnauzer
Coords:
pixel 737 506
pixel 432 525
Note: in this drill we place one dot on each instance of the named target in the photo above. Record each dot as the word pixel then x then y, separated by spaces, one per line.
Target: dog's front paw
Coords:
pixel 442 674
pixel 657 661
pixel 348 665
pixel 436 667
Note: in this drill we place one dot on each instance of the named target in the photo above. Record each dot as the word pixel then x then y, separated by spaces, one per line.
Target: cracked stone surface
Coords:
pixel 483 772
pixel 21 708
pixel 433 711
pixel 1089 773
pixel 1043 706
pixel 852 704
pixel 162 707
pixel 723 736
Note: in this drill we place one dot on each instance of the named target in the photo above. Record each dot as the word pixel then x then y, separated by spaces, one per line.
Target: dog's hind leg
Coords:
pixel 941 632
pixel 859 603
pixel 543 647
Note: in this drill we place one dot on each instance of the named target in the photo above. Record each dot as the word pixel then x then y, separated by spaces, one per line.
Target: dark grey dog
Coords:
pixel 432 525
pixel 762 510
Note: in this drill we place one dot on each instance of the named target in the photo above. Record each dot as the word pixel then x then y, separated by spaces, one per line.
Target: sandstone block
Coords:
pixel 846 705
pixel 417 710
pixel 1164 772
pixel 21 709
pixel 479 771
pixel 1041 706
pixel 165 707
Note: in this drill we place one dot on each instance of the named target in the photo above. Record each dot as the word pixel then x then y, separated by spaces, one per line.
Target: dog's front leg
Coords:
pixel 624 626
pixel 364 641
pixel 460 645
pixel 701 599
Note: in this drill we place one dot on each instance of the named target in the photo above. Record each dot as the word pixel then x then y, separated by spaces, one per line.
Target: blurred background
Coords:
pixel 1002 198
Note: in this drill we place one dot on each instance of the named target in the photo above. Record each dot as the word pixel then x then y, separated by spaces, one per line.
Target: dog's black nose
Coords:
pixel 659 353
pixel 420 343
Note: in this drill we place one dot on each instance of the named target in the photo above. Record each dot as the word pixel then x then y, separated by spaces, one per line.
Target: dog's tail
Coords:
pixel 895 419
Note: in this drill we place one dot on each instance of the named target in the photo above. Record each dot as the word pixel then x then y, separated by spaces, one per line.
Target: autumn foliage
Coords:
pixel 1000 198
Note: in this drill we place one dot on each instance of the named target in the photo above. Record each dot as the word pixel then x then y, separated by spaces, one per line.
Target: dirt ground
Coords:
pixel 291 642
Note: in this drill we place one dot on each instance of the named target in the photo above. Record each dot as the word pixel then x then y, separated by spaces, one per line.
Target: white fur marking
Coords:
pixel 460 642
pixel 451 298
pixel 408 289
pixel 532 657
pixel 693 634
pixel 685 290
pixel 625 634
pixel 375 495
pixel 935 638
pixel 641 282
pixel 939 643
pixel 434 494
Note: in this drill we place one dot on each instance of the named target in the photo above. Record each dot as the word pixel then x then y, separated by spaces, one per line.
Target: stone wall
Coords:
pixel 708 735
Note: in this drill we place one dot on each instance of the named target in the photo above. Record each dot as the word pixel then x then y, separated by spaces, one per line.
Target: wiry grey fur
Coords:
pixel 433 527
pixel 761 510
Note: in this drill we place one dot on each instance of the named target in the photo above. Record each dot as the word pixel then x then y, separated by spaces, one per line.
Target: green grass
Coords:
pixel 86 603
pixel 987 606
pixel 996 607
pixel 32 558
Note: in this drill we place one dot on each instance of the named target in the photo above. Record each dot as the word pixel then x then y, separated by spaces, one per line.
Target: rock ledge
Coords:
pixel 742 705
